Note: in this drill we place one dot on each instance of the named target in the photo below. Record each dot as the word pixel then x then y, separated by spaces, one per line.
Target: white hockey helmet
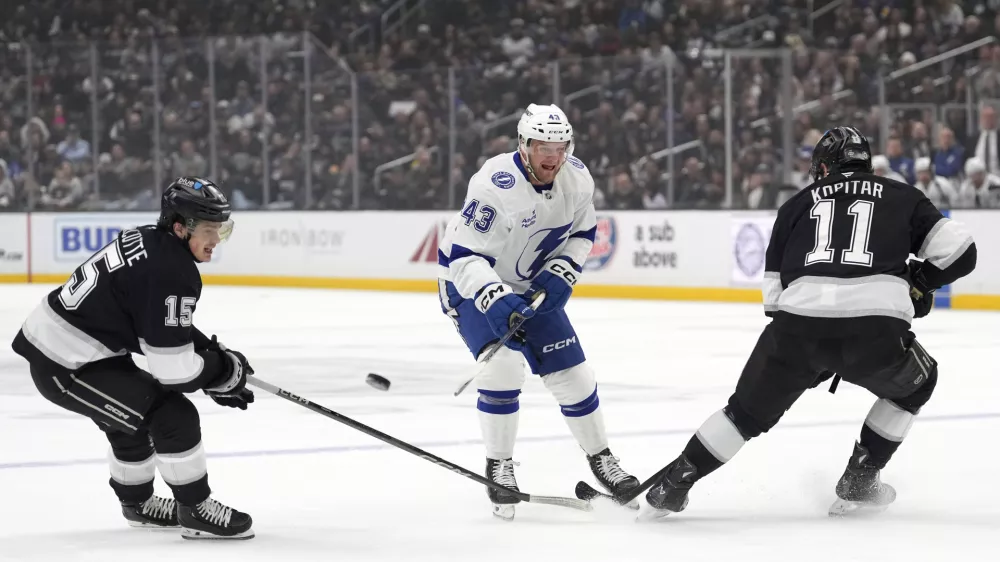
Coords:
pixel 974 165
pixel 545 123
pixel 923 164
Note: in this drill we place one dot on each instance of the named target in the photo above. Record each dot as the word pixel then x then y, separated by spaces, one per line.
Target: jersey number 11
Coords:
pixel 858 253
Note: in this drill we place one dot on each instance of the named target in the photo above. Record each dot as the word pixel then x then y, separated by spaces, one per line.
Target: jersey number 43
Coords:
pixel 486 214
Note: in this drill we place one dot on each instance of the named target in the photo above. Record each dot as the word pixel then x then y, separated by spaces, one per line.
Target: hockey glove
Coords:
pixel 238 399
pixel 502 307
pixel 921 295
pixel 556 280
pixel 232 392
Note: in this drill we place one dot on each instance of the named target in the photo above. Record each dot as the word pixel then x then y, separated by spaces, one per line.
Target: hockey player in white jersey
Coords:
pixel 527 226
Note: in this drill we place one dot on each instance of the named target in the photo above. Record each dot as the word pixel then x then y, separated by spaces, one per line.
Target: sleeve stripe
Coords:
pixel 173 365
pixel 930 235
pixel 771 290
pixel 945 243
pixel 586 234
pixel 459 252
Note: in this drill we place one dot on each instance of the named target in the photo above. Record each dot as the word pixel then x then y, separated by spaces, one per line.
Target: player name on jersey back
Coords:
pixel 850 187
pixel 133 246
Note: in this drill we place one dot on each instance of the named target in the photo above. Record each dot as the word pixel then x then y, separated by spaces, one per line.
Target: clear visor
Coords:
pixel 213 232
pixel 548 149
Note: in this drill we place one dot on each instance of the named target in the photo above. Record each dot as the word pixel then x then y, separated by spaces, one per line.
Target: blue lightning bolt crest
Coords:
pixel 538 249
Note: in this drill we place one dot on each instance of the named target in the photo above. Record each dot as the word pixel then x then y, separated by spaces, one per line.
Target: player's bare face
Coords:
pixel 546 158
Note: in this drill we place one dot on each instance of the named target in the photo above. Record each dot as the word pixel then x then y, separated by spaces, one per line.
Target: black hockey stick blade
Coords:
pixel 539 298
pixel 572 503
pixel 587 492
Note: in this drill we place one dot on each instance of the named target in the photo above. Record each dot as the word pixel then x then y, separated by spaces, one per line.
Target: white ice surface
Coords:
pixel 320 491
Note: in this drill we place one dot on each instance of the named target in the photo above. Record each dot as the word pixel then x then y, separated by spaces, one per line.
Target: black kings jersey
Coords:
pixel 137 294
pixel 839 249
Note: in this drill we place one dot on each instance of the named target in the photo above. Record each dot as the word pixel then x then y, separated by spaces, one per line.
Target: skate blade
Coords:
pixel 504 511
pixel 196 535
pixel 648 513
pixel 152 526
pixel 845 508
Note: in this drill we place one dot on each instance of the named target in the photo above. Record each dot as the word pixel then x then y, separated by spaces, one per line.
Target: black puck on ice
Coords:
pixel 377 382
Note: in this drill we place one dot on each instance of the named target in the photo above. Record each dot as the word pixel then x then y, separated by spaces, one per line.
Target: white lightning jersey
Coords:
pixel 508 228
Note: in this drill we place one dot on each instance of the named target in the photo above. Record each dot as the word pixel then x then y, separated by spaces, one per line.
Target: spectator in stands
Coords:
pixel 500 66
pixel 73 148
pixel 900 163
pixel 7 194
pixel 880 164
pixel 980 189
pixel 919 144
pixel 949 156
pixel 10 154
pixel 696 189
pixel 187 162
pixel 622 193
pixel 800 175
pixel 65 191
pixel 940 190
pixel 985 143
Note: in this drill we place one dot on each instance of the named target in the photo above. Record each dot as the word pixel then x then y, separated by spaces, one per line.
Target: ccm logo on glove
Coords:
pixel 490 294
pixel 560 268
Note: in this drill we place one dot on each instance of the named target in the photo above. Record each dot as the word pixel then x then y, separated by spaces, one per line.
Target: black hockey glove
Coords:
pixel 232 392
pixel 921 295
pixel 238 399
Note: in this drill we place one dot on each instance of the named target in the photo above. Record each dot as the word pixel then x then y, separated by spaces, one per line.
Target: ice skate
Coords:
pixel 860 490
pixel 611 477
pixel 670 493
pixel 154 513
pixel 502 472
pixel 213 520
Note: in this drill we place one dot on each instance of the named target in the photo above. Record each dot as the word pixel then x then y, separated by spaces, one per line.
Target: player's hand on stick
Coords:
pixel 921 295
pixel 239 399
pixel 502 308
pixel 232 392
pixel 556 280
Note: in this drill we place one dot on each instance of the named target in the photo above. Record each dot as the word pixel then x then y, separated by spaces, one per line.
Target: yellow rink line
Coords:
pixel 711 294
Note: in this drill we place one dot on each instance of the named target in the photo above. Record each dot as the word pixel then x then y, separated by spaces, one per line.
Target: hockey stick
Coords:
pixel 572 503
pixel 587 492
pixel 503 341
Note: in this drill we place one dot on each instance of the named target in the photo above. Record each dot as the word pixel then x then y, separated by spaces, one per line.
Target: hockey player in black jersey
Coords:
pixel 138 294
pixel 841 296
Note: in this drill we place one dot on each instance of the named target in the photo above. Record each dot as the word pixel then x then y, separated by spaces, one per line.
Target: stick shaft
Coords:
pixel 282 393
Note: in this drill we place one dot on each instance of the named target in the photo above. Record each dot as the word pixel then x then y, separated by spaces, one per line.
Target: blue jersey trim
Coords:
pixel 586 234
pixel 459 252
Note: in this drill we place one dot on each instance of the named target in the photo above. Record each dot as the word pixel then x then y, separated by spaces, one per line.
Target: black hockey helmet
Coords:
pixel 841 149
pixel 189 200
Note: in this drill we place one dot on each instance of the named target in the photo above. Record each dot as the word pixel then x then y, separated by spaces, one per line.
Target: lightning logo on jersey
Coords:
pixel 540 248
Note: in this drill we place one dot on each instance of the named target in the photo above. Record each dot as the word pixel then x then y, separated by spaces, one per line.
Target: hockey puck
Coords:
pixel 377 382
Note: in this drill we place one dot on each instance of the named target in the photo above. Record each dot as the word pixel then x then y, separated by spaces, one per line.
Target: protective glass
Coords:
pixel 213 231
pixel 547 149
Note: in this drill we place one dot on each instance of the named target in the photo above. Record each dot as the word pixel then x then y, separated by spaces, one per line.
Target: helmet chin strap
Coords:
pixel 527 163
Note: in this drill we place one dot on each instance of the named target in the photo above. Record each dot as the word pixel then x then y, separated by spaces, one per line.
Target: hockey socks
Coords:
pixel 575 389
pixel 885 428
pixel 498 417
